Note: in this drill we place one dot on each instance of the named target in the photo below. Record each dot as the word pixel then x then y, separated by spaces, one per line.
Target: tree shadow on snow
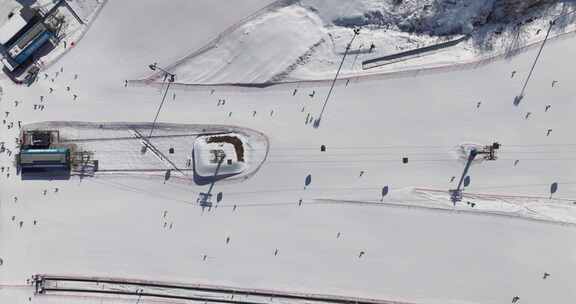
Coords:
pixel 512 36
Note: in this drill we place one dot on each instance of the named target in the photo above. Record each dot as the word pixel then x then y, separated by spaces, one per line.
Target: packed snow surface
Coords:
pixel 303 220
pixel 306 40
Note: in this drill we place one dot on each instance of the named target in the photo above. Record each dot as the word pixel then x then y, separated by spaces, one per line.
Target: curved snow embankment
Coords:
pixel 535 208
pixel 118 146
pixel 258 50
pixel 522 206
pixel 305 41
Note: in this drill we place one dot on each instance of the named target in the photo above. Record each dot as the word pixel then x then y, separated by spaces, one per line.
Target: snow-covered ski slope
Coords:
pixel 271 47
pixel 417 248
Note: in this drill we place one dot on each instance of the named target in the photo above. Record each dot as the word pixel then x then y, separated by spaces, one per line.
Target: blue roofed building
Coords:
pixel 22 35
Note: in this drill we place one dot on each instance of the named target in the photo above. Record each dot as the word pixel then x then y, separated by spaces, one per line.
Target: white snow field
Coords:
pixel 307 221
pixel 271 45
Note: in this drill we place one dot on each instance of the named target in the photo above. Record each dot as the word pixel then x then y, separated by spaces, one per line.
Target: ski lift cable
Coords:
pixel 375 147
pixel 375 189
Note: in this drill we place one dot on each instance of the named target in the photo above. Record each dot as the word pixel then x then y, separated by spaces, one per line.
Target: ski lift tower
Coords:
pixel 489 154
pixel 205 198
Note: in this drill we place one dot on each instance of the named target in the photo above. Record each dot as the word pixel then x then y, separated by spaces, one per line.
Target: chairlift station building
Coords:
pixel 22 35
pixel 40 151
